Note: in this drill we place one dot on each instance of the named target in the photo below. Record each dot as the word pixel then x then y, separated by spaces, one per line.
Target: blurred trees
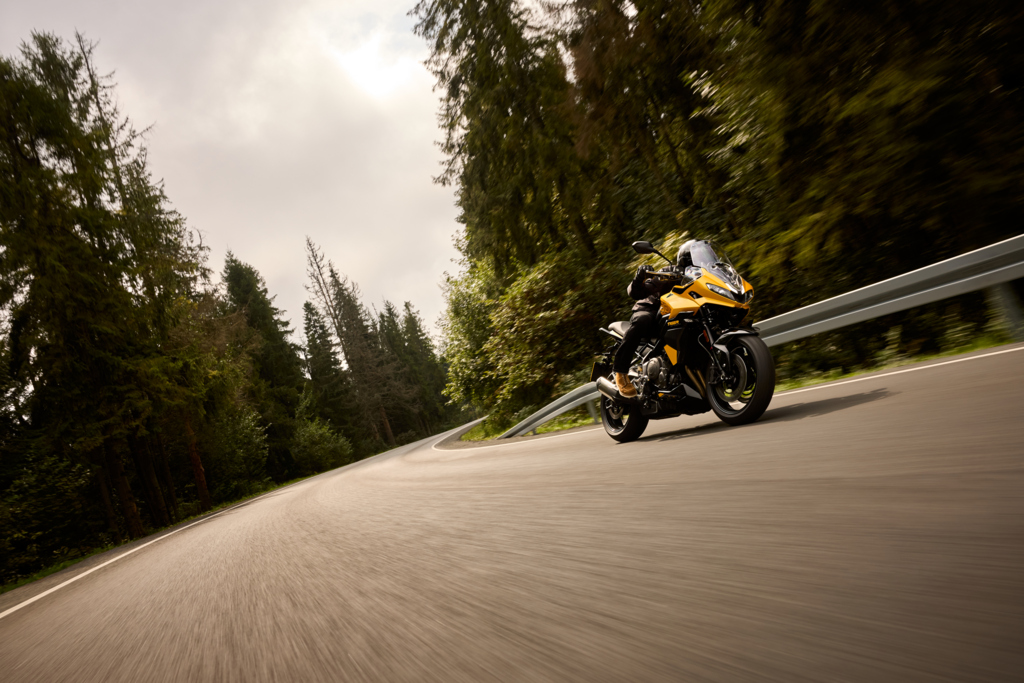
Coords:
pixel 828 144
pixel 134 391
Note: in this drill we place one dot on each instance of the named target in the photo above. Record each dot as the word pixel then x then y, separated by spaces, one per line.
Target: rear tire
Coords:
pixel 754 368
pixel 623 423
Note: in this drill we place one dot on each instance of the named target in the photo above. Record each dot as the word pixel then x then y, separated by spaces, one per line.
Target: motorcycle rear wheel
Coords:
pixel 624 423
pixel 745 398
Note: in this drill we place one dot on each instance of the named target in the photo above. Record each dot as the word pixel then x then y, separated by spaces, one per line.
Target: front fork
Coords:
pixel 721 366
pixel 719 356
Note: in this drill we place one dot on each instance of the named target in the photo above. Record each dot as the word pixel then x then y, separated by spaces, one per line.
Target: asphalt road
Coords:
pixel 869 531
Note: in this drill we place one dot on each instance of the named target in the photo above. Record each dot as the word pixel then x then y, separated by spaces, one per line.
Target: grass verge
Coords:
pixel 979 344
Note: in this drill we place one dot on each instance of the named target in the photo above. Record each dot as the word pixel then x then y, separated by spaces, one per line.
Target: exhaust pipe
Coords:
pixel 609 390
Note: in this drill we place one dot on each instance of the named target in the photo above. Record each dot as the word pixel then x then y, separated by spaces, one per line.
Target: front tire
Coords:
pixel 746 396
pixel 623 423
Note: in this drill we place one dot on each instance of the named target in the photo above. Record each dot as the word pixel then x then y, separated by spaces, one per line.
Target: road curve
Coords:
pixel 859 532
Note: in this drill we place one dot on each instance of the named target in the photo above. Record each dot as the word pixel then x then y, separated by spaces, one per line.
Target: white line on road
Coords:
pixel 135 550
pixel 827 385
pixel 434 446
pixel 900 372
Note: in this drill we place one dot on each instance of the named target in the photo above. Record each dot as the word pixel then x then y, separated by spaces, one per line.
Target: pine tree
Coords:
pixel 329 382
pixel 92 259
pixel 508 139
pixel 381 390
pixel 276 360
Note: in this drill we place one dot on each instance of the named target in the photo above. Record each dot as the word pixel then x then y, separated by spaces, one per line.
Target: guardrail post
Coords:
pixel 1005 301
pixel 593 411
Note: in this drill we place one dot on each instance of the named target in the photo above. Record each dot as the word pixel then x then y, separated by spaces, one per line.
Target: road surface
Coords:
pixel 863 531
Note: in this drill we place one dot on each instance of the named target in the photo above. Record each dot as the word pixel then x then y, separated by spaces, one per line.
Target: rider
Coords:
pixel 641 325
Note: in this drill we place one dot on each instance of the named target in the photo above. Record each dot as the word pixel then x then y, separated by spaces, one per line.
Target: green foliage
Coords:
pixel 546 325
pixel 418 366
pixel 133 392
pixel 395 377
pixel 45 515
pixel 828 144
pixel 92 255
pixel 509 146
pixel 318 448
pixel 235 449
pixel 328 394
pixel 466 328
pixel 278 371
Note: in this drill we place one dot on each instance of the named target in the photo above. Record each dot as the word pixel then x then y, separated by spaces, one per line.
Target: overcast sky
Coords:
pixel 274 120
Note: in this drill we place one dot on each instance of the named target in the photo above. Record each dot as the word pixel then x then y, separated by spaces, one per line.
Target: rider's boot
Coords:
pixel 624 385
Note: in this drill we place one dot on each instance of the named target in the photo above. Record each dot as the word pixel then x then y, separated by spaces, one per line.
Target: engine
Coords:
pixel 659 370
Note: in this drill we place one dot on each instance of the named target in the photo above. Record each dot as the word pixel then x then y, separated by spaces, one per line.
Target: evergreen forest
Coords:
pixel 139 387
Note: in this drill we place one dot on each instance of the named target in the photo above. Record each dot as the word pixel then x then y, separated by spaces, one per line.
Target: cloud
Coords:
pixel 275 120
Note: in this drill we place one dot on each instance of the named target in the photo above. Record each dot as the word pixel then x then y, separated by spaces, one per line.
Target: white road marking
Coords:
pixel 475 448
pixel 42 595
pixel 826 385
pixel 900 372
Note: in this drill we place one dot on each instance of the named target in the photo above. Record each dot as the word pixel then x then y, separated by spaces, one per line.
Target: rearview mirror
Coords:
pixel 643 247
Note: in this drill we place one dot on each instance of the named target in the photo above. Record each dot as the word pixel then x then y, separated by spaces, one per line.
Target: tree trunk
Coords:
pixel 197 467
pixel 387 426
pixel 108 506
pixel 165 469
pixel 144 466
pixel 124 492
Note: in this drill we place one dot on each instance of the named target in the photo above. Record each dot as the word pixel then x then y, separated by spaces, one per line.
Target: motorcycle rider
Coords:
pixel 641 326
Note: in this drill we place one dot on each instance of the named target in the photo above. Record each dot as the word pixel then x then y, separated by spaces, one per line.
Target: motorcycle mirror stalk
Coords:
pixel 645 247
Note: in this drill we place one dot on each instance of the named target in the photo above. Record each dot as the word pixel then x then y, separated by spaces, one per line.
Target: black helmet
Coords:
pixel 684 258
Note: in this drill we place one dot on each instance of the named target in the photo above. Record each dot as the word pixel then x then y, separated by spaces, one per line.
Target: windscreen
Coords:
pixel 713 259
pixel 707 254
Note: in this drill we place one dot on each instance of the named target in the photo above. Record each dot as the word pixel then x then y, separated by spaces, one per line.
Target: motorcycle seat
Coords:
pixel 620 328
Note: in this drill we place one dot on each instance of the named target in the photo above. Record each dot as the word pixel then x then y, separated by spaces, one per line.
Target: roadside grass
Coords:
pixel 53 569
pixel 71 561
pixel 483 432
pixel 981 343
pixel 579 416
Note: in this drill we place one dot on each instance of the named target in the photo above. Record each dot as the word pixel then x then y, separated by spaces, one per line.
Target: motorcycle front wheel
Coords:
pixel 622 422
pixel 745 395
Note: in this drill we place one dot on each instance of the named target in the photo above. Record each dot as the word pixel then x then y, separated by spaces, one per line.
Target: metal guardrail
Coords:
pixel 987 268
pixel 992 265
pixel 575 398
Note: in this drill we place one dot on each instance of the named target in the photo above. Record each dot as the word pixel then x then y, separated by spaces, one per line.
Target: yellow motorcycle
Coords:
pixel 704 355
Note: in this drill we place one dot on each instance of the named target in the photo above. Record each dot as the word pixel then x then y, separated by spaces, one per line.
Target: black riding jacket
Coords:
pixel 641 290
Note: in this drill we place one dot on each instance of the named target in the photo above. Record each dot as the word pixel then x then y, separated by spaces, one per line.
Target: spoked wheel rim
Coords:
pixel 733 395
pixel 617 415
pixel 622 422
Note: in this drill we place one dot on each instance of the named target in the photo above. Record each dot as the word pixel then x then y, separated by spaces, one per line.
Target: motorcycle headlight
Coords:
pixel 721 291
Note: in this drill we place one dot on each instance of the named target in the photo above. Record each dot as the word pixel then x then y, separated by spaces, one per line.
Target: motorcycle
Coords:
pixel 705 355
